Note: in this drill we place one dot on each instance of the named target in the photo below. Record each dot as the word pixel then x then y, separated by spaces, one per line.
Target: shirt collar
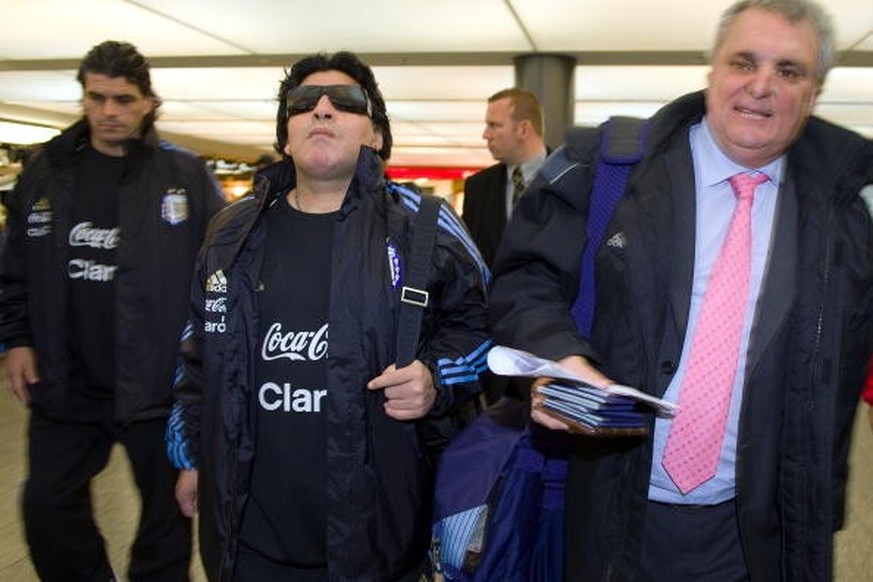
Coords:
pixel 717 167
pixel 528 167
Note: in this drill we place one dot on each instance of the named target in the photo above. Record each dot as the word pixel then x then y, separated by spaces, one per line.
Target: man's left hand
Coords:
pixel 409 391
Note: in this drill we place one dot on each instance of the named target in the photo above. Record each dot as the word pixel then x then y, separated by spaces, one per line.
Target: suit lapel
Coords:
pixel 665 200
pixel 780 276
pixel 493 202
pixel 681 268
pixel 660 209
pixel 500 200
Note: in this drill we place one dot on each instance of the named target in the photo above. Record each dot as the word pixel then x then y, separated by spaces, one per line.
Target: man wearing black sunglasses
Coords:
pixel 296 429
pixel 351 98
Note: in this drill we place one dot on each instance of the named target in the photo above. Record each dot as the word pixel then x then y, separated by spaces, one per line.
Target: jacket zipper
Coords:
pixel 819 324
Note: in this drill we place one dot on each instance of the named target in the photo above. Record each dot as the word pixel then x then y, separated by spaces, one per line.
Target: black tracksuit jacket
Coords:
pixel 155 262
pixel 379 479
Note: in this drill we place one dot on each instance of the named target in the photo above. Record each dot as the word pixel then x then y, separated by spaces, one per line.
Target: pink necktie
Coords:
pixel 697 433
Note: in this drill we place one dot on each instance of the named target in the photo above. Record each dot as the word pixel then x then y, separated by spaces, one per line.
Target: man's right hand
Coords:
pixel 186 492
pixel 579 366
pixel 21 372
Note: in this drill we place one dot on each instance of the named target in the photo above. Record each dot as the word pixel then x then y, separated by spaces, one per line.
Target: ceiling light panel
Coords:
pixel 632 83
pixel 443 83
pixel 375 26
pixel 619 25
pixel 595 112
pixel 240 132
pixel 45 85
pixel 68 108
pixel 217 83
pixel 849 84
pixel 447 111
pixel 25 134
pixel 256 110
pixel 63 29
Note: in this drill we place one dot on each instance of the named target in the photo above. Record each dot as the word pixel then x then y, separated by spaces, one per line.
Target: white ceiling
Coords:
pixel 217 64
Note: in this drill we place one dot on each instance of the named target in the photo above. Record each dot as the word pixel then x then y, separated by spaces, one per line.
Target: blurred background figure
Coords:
pixel 103 228
pixel 514 135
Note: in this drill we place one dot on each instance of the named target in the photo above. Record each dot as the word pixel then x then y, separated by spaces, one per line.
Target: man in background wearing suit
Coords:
pixel 514 132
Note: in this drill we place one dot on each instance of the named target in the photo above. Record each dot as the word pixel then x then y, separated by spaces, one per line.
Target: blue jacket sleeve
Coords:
pixel 455 340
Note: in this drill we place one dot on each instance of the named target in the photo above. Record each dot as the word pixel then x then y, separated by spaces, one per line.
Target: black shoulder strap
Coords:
pixel 413 295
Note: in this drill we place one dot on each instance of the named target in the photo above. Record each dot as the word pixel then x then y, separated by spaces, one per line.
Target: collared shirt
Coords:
pixel 715 202
pixel 528 168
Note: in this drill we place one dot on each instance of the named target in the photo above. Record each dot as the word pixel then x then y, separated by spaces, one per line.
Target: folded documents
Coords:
pixel 511 362
pixel 611 410
pixel 588 397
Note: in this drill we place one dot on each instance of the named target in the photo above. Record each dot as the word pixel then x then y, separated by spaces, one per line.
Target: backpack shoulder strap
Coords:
pixel 622 144
pixel 623 140
pixel 414 297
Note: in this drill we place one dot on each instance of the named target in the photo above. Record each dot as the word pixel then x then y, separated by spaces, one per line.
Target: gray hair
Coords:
pixel 795 11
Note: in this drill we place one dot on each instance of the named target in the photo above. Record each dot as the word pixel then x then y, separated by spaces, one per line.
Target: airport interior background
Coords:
pixel 216 65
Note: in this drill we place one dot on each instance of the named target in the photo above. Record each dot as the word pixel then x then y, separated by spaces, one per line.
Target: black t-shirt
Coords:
pixel 93 239
pixel 284 518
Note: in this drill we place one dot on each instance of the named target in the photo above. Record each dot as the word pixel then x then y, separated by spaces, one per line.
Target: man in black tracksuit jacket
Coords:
pixel 808 346
pixel 92 307
pixel 369 481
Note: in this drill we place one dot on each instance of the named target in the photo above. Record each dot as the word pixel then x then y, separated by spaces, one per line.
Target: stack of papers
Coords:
pixel 609 411
pixel 592 407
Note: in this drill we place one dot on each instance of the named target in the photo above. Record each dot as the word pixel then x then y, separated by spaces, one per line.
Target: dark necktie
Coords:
pixel 517 185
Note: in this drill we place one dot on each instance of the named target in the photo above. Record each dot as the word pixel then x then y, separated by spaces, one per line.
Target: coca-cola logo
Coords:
pixel 294 345
pixel 85 235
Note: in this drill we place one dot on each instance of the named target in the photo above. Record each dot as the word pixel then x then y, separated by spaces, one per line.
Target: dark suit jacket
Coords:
pixel 485 209
pixel 809 347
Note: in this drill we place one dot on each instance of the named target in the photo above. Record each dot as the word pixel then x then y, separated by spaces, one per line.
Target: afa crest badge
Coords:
pixel 174 207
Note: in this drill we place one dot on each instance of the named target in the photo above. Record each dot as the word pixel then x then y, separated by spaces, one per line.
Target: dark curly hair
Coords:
pixel 345 62
pixel 121 59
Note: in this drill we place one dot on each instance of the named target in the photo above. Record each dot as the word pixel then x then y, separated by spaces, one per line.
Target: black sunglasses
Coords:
pixel 350 98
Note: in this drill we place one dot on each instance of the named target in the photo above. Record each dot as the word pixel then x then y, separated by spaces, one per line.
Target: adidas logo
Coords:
pixel 216 283
pixel 617 241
